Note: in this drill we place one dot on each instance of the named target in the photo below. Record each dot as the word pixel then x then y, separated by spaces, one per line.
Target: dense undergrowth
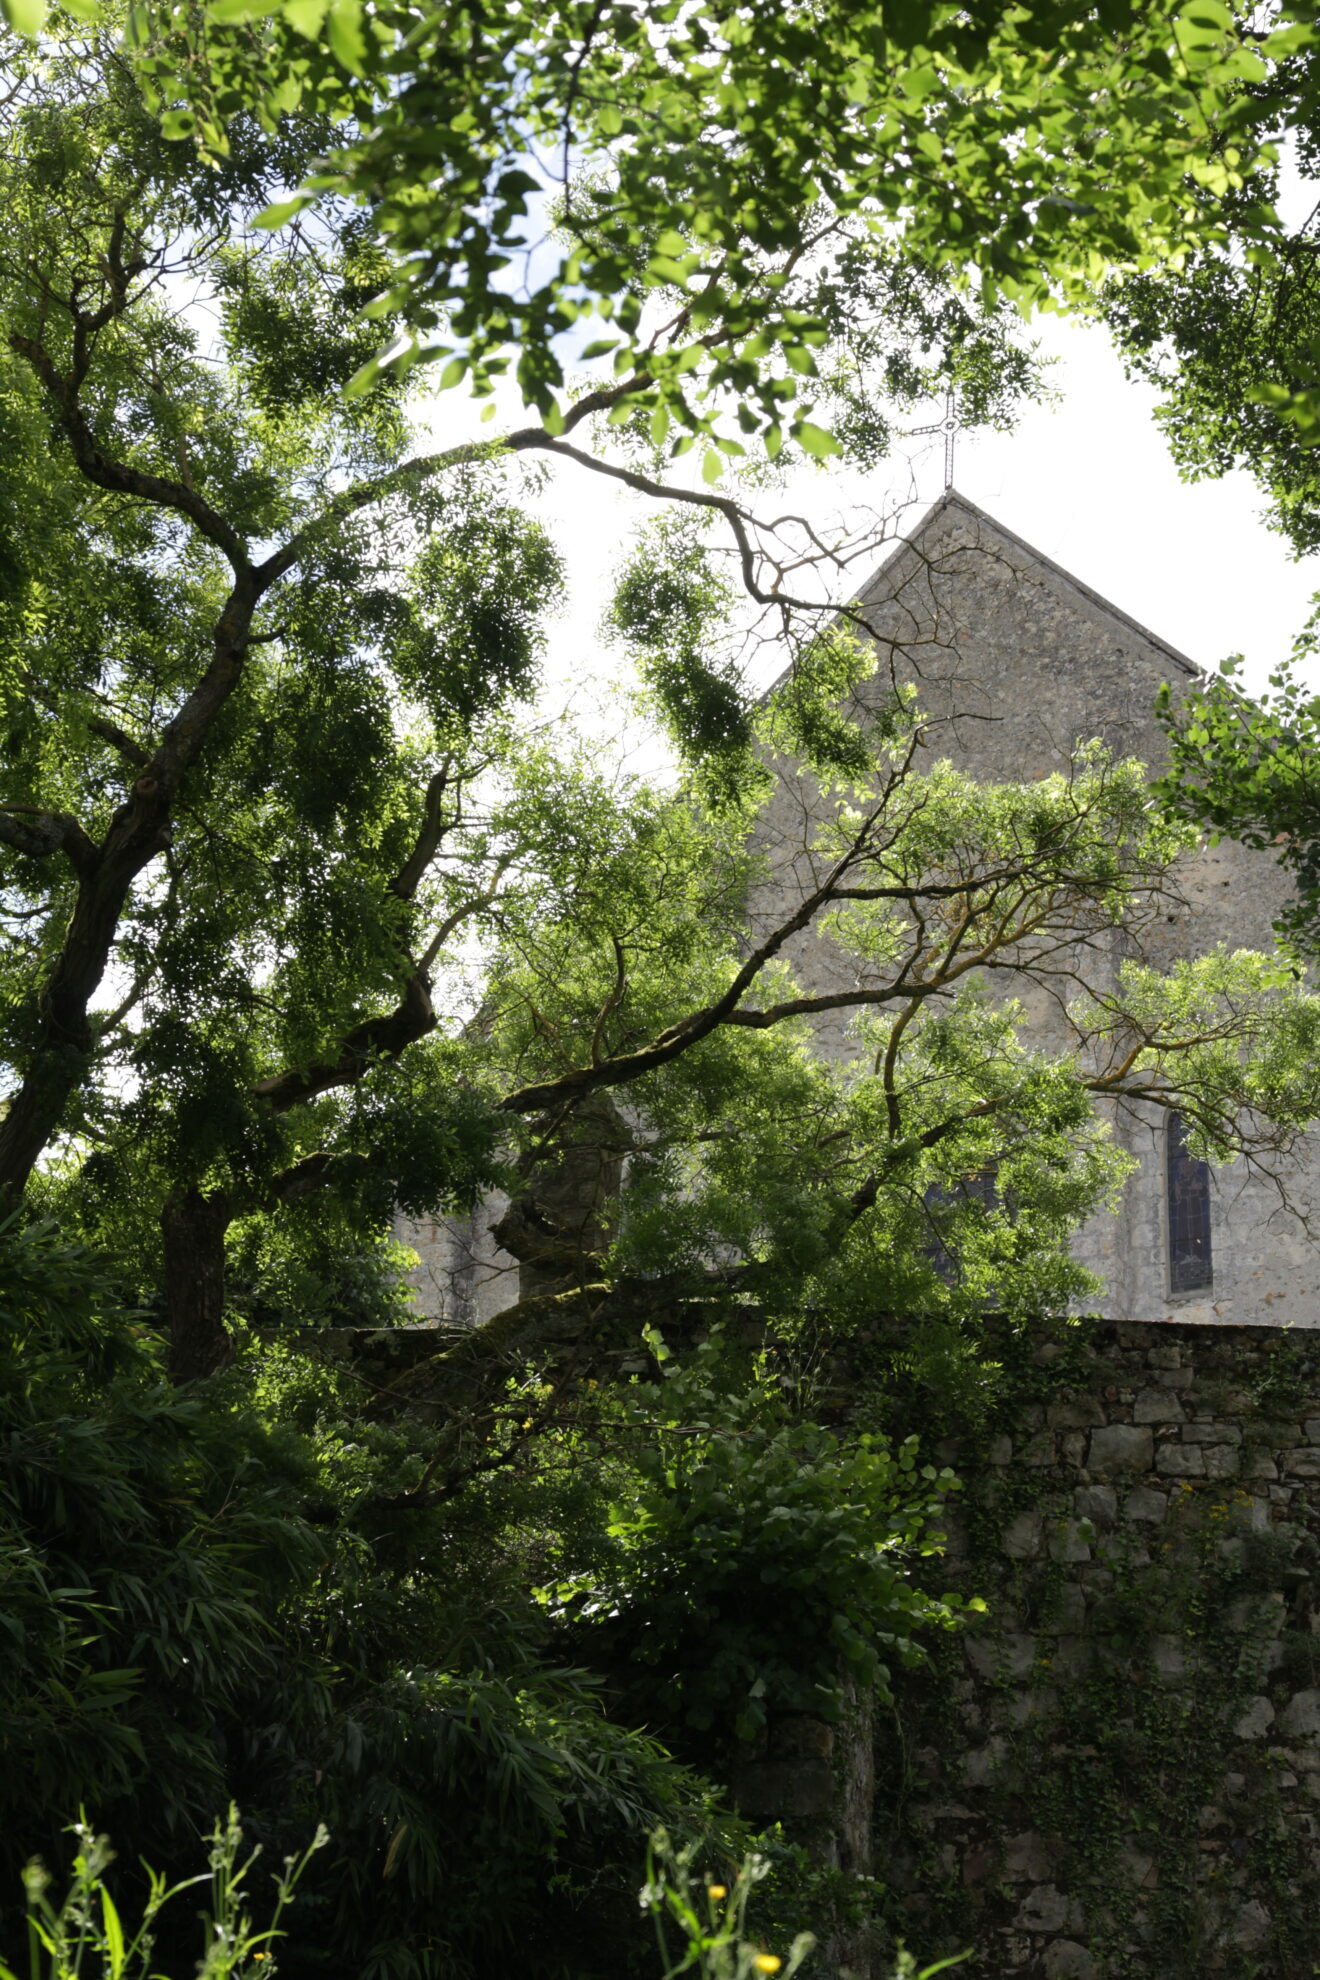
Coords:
pixel 214 1595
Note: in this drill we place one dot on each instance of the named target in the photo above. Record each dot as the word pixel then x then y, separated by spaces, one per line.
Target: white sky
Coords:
pixel 1087 480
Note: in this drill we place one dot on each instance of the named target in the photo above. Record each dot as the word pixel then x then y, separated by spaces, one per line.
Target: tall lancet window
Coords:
pixel 1188 1186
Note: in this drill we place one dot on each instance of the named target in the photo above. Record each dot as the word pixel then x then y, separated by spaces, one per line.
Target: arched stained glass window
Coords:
pixel 1188 1186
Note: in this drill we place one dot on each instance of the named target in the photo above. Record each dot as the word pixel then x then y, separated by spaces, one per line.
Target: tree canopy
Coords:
pixel 689 192
pixel 307 915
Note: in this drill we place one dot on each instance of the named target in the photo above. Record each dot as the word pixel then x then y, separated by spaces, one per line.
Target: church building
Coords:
pixel 1017 662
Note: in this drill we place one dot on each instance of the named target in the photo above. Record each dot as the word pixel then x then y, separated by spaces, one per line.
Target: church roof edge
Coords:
pixel 953 499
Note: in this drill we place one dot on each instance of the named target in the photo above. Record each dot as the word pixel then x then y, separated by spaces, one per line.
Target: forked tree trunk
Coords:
pixel 194 1228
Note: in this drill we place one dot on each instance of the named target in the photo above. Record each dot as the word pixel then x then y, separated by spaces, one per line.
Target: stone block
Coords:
pixel 1251 1926
pixel 1259 1465
pixel 1039 1449
pixel 1256 1721
pixel 979 1863
pixel 1044 1909
pixel 1072 1656
pixel 1072 1448
pixel 1028 1859
pixel 1181 1461
pixel 1121 1447
pixel 1021 1538
pixel 1175 1378
pixel 1211 1433
pixel 1069 1612
pixel 1066 1959
pixel 1098 1503
pixel 1221 1460
pixel 1303 1463
pixel 1143 1503
pixel 999 1450
pixel 1164 1357
pixel 1169 1656
pixel 1009 1656
pixel 984 1763
pixel 1256 1515
pixel 1311 1428
pixel 1081 1413
pixel 1300 1717
pixel 1069 1541
pixel 1157 1406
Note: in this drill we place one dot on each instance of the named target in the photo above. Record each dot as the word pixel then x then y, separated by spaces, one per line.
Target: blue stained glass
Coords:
pixel 1191 1267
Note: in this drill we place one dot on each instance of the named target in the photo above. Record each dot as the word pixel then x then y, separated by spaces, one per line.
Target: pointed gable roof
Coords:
pixel 954 509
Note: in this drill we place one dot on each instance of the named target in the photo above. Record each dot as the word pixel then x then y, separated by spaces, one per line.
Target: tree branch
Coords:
pixel 41 833
pixel 116 476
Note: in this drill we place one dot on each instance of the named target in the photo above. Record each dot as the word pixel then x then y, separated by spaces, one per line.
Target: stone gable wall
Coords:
pixel 1116 1771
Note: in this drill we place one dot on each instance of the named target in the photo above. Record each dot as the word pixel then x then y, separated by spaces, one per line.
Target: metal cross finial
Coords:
pixel 948 426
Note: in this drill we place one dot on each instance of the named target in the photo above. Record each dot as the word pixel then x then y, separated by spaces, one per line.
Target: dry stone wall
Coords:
pixel 1116 1771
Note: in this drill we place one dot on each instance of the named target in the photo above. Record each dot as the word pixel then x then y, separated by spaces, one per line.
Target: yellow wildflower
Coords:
pixel 718 1890
pixel 767 1963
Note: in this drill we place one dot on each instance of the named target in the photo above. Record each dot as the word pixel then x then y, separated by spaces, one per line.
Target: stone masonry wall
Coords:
pixel 1116 1770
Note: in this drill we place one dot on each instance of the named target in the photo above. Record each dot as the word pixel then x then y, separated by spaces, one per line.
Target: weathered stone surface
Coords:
pixel 1169 1656
pixel 1251 1925
pixel 1121 1447
pixel 1039 1449
pixel 1067 1541
pixel 1098 1503
pixel 1078 1413
pixel 1010 1656
pixel 984 1763
pixel 1156 1505
pixel 1021 1539
pixel 999 1450
pixel 1256 1721
pixel 1044 1909
pixel 1157 1406
pixel 1065 1959
pixel 1028 1859
pixel 1180 1461
pixel 1069 1613
pixel 1300 1717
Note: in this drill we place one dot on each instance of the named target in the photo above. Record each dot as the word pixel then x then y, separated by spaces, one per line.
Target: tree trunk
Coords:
pixel 194 1227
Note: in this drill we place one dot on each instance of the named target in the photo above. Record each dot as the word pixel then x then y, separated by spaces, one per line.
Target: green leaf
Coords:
pixel 114 1935
pixel 815 440
pixel 271 217
pixel 305 17
pixel 344 31
pixel 26 16
pixel 230 12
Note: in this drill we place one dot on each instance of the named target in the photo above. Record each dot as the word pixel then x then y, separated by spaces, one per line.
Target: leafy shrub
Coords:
pixel 179 1632
pixel 762 1558
pixel 146 1546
